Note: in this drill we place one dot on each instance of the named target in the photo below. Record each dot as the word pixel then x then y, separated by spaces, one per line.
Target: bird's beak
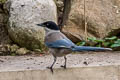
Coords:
pixel 42 25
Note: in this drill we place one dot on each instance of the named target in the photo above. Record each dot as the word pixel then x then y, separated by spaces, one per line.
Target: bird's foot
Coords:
pixel 50 69
pixel 63 66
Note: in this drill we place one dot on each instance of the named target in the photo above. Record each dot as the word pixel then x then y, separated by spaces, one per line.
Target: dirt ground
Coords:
pixel 29 62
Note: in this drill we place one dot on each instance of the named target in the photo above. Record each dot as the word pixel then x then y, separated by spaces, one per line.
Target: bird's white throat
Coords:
pixel 48 31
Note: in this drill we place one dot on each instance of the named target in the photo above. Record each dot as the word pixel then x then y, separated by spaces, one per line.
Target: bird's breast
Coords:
pixel 59 52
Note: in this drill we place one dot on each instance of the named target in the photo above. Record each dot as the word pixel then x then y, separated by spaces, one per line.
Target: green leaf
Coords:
pixel 118 41
pixel 111 38
pixel 81 43
pixel 99 41
pixel 91 39
pixel 115 45
pixel 99 45
pixel 106 44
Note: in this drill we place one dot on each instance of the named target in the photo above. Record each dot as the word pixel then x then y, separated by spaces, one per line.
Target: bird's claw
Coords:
pixel 50 69
pixel 63 66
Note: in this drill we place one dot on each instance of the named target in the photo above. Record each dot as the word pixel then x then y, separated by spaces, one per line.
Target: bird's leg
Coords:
pixel 51 67
pixel 65 62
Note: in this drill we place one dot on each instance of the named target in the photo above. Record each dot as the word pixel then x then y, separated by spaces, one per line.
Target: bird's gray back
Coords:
pixel 51 37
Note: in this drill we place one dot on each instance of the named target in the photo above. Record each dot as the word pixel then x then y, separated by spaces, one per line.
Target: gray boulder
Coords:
pixel 23 17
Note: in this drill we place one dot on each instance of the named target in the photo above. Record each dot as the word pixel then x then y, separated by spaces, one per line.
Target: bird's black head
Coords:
pixel 50 25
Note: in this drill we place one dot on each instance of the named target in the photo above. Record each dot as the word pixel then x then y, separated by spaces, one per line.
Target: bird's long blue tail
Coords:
pixel 86 48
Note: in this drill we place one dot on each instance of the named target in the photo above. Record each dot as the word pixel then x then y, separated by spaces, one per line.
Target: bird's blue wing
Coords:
pixel 63 43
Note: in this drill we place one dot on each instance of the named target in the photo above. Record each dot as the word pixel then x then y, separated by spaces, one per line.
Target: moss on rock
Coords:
pixel 3 1
pixel 22 51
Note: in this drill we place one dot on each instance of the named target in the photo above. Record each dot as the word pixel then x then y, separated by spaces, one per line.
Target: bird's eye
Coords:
pixel 47 24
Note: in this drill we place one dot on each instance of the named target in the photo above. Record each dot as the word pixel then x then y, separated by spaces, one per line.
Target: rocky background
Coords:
pixel 103 17
pixel 18 19
pixel 4 38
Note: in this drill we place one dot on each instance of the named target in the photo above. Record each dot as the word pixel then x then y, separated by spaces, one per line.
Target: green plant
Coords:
pixel 116 44
pixel 111 38
pixel 111 42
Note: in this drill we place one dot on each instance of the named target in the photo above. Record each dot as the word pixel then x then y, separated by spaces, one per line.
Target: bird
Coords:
pixel 59 45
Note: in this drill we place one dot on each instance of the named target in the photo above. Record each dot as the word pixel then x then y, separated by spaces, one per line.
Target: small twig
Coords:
pixel 85 20
pixel 66 11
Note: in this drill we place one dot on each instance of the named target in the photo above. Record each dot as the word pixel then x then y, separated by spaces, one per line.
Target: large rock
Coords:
pixel 103 18
pixel 24 15
pixel 4 39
